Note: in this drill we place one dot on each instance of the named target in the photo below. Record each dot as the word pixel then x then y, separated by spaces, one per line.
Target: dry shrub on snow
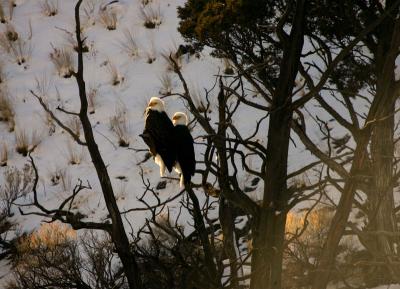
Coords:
pixel 3 154
pixel 145 2
pixel 306 233
pixel 61 176
pixel 2 14
pixel 91 94
pixel 108 17
pixel 49 7
pixel 115 77
pixel 25 143
pixel 10 33
pixel 88 8
pixel 2 73
pixel 120 126
pixel 19 50
pixel 54 254
pixel 7 109
pixel 17 184
pixel 129 44
pixel 228 67
pixel 74 154
pixel 150 51
pixel 74 124
pixel 3 4
pixel 63 61
pixel 12 44
pixel 172 58
pixel 166 81
pixel 151 16
pixel 70 39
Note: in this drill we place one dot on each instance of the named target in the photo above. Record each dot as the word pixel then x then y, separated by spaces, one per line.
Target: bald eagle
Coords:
pixel 185 159
pixel 158 134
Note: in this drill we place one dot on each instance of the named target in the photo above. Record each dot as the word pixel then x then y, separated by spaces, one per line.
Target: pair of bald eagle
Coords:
pixel 170 142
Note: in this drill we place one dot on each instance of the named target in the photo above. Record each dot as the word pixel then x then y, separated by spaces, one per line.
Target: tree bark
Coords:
pixel 381 215
pixel 269 227
pixel 200 227
pixel 377 113
pixel 118 234
pixel 227 220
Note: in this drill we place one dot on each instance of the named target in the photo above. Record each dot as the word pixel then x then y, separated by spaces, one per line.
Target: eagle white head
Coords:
pixel 180 118
pixel 156 103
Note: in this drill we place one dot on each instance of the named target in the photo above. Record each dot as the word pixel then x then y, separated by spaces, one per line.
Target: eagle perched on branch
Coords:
pixel 170 142
pixel 158 134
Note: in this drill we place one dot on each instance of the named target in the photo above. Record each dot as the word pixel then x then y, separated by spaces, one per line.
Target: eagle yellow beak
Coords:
pixel 175 117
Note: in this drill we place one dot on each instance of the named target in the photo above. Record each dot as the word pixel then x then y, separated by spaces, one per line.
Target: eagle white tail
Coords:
pixel 159 161
pixel 178 169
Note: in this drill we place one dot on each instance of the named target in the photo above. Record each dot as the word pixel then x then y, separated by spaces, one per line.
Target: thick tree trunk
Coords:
pixel 269 227
pixel 378 112
pixel 227 220
pixel 269 231
pixel 339 221
pixel 381 216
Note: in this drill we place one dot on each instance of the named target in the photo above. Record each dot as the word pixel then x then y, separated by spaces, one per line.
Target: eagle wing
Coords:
pixel 159 136
pixel 185 152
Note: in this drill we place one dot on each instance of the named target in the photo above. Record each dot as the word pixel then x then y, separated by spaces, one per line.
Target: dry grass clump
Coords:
pixel 171 57
pixel 21 51
pixel 18 49
pixel 49 235
pixel 72 42
pixel 115 77
pixel 74 155
pixel 59 256
pixel 145 2
pixel 305 233
pixel 49 7
pixel 11 5
pixel 151 16
pixel 6 109
pixel 150 53
pixel 91 94
pixel 25 143
pixel 61 176
pixel 129 44
pixel 88 8
pixel 2 14
pixel 14 46
pixel 63 61
pixel 228 67
pixel 2 73
pixel 10 33
pixel 119 125
pixel 3 155
pixel 17 184
pixel 74 124
pixel 166 81
pixel 108 17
